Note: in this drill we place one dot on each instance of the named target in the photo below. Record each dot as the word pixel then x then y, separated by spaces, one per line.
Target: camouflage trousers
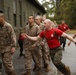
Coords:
pixel 35 54
pixel 45 54
pixel 56 56
pixel 7 62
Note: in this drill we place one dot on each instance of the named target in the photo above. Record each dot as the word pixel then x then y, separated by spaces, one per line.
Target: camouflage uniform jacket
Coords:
pixel 31 31
pixel 41 26
pixel 7 37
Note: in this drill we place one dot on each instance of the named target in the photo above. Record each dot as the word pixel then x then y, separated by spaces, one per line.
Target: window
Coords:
pixel 1 5
pixel 8 13
pixel 14 12
pixel 20 20
pixel 24 16
pixel 20 16
pixel 14 17
pixel 14 6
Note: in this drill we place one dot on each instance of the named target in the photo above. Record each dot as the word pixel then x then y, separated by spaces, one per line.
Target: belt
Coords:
pixel 54 48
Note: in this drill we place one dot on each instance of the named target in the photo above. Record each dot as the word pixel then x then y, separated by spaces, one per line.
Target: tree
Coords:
pixel 49 7
pixel 67 12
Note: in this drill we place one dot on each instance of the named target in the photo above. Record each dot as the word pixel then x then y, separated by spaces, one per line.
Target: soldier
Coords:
pixel 42 19
pixel 55 24
pixel 7 45
pixel 20 42
pixel 51 34
pixel 64 27
pixel 32 50
pixel 45 49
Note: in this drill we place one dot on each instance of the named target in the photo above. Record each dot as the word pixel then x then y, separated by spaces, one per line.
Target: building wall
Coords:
pixel 1 5
pixel 18 10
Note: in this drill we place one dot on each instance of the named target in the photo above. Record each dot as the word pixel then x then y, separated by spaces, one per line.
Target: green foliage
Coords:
pixel 49 7
pixel 67 11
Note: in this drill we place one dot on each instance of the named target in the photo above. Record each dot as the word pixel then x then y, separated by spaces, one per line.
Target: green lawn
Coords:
pixel 73 31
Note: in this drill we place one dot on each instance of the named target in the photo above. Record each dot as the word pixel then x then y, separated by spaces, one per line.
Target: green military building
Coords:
pixel 17 11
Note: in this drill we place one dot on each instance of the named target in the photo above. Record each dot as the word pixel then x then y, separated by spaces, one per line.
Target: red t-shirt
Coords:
pixel 63 27
pixel 21 37
pixel 52 37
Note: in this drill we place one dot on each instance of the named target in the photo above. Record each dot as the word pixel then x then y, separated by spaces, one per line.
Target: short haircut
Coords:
pixel 49 21
pixel 38 17
pixel 1 14
pixel 32 16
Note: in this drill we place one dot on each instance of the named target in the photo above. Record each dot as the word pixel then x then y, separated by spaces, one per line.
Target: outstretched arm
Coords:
pixel 31 38
pixel 73 38
pixel 68 37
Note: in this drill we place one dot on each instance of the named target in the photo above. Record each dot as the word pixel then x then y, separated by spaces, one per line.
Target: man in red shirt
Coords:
pixel 20 42
pixel 51 34
pixel 64 27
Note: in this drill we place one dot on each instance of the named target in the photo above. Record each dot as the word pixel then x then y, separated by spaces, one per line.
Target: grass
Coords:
pixel 72 31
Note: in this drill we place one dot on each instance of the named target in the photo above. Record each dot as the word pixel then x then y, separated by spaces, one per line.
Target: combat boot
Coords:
pixel 28 72
pixel 47 68
pixel 39 73
pixel 12 73
pixel 68 71
pixel 0 64
pixel 0 68
pixel 0 73
pixel 35 68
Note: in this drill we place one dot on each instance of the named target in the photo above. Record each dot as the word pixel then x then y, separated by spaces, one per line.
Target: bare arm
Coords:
pixel 31 38
pixel 34 38
pixel 68 37
pixel 73 38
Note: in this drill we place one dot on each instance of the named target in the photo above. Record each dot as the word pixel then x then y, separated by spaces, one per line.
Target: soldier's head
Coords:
pixel 62 21
pixel 38 20
pixel 31 19
pixel 1 21
pixel 42 18
pixel 48 24
pixel 54 22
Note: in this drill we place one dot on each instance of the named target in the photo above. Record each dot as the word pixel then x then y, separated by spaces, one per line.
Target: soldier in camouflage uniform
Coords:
pixel 51 34
pixel 32 50
pixel 45 48
pixel 7 45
